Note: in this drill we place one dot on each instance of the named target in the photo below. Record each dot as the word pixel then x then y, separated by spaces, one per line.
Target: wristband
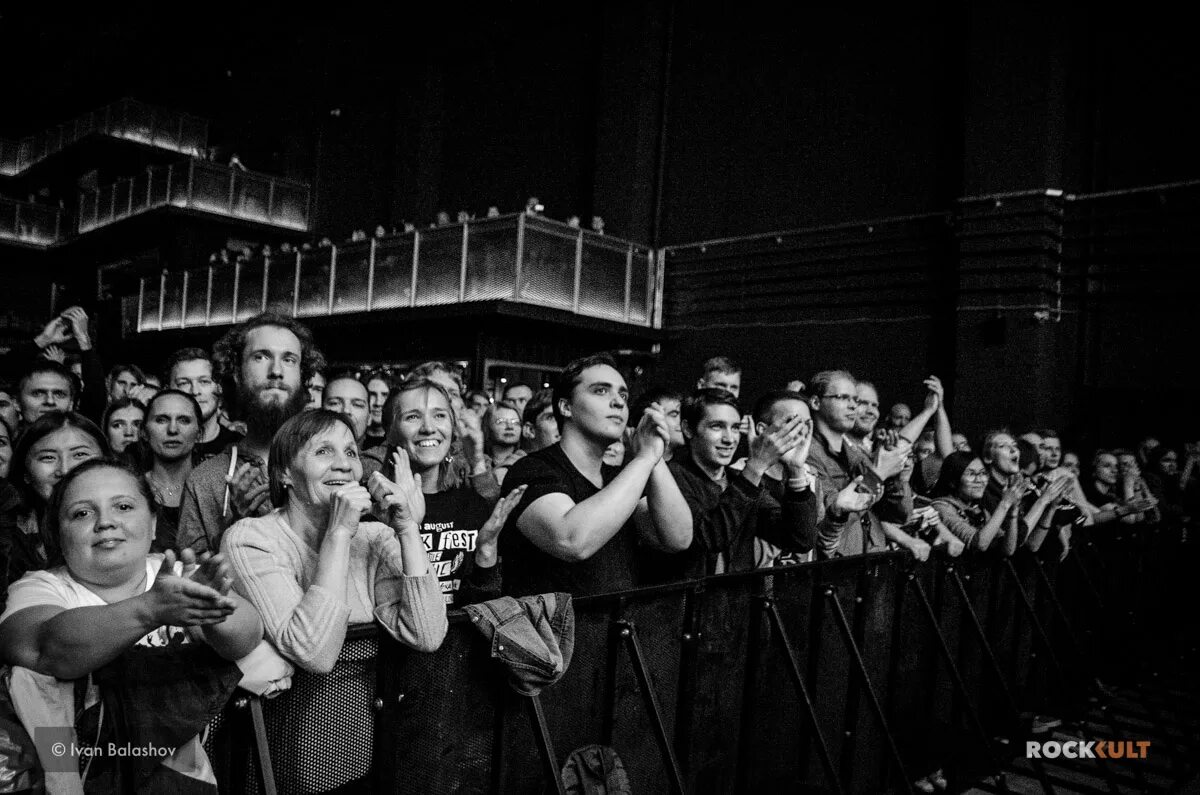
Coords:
pixel 799 482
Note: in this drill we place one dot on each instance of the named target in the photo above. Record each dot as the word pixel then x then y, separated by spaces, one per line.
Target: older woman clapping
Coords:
pixel 314 566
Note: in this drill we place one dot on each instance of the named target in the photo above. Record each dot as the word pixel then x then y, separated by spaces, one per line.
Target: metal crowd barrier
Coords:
pixel 850 675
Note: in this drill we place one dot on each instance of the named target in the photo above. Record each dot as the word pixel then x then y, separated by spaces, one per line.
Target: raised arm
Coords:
pixel 933 399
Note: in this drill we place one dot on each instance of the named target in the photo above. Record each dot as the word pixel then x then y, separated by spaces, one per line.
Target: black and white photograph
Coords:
pixel 599 399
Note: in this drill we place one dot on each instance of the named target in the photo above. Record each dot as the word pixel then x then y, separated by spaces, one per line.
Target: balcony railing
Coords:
pixel 34 224
pixel 512 258
pixel 198 185
pixel 127 119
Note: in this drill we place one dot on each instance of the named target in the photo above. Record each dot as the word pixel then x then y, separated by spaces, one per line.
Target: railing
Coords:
pixel 198 185
pixel 852 675
pixel 510 258
pixel 127 119
pixel 33 224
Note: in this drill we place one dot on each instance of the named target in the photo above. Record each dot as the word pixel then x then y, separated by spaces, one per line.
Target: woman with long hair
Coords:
pixel 958 496
pixel 460 528
pixel 52 446
pixel 169 435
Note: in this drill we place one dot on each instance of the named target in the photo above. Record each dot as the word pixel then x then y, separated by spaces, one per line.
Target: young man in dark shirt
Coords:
pixel 732 510
pixel 579 523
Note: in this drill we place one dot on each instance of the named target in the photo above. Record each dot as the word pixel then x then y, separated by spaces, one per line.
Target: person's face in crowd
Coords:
pixel 1051 452
pixel 961 445
pixel 1169 464
pixel 1127 465
pixel 923 448
pixel 124 425
pixel 506 426
pixel 614 454
pixel 377 395
pixel 1106 469
pixel 673 410
pixel 480 404
pixel 868 409
pixel 973 481
pixel 730 382
pixel 1005 455
pixel 426 427
pixel 715 438
pixel 837 408
pixel 106 526
pixel 6 450
pixel 519 394
pixel 544 430
pixel 1070 462
pixel 327 463
pixel 44 393
pixel 196 378
pixel 56 454
pixel 120 385
pixel 899 416
pixel 270 373
pixel 150 388
pixel 316 391
pixel 348 396
pixel 448 383
pixel 599 404
pixel 171 429
pixel 783 412
pixel 9 412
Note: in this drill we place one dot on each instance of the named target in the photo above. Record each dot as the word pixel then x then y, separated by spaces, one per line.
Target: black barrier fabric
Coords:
pixel 851 675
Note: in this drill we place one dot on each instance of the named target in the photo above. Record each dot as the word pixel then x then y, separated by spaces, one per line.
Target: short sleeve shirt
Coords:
pixel 529 570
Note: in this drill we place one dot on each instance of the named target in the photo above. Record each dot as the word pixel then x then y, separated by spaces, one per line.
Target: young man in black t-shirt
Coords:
pixel 578 525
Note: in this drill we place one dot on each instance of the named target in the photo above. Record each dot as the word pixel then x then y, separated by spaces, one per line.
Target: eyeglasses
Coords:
pixel 506 423
pixel 841 398
pixel 975 474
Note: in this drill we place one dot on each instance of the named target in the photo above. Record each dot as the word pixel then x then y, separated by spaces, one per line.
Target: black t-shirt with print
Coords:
pixel 451 524
pixel 529 570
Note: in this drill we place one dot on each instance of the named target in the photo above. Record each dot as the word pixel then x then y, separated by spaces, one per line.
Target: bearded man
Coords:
pixel 263 364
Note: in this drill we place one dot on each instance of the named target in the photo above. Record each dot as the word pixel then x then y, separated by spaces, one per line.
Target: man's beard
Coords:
pixel 264 419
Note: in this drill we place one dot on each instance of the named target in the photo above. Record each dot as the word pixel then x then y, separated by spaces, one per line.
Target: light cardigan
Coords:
pixel 274 569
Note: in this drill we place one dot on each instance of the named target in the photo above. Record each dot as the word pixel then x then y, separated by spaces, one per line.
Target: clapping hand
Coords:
pixel 400 500
pixel 186 601
pixel 851 500
pixel 652 435
pixel 489 534
pixel 207 569
pixel 249 491
pixel 936 393
pixel 769 448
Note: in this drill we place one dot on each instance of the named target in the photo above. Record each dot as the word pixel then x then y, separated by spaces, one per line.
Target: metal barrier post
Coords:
pixel 628 633
pixel 793 667
pixel 541 735
pixel 861 667
pixel 957 680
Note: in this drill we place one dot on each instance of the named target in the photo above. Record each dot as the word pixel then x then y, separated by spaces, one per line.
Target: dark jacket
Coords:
pixel 727 521
pixel 855 533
